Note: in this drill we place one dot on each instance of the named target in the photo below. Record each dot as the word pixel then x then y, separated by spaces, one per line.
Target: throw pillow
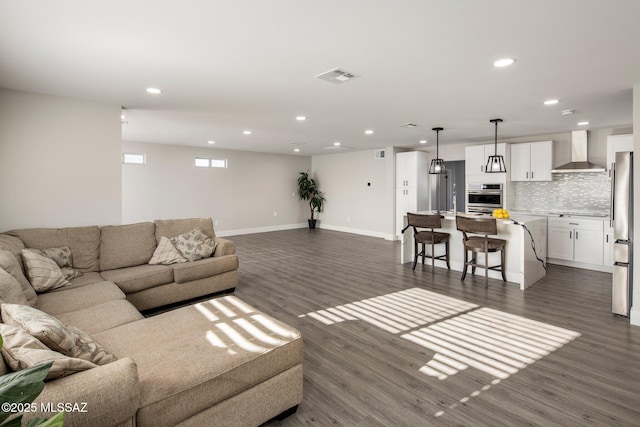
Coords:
pixel 54 334
pixel 69 273
pixel 194 245
pixel 166 253
pixel 43 273
pixel 12 265
pixel 62 256
pixel 21 351
pixel 10 289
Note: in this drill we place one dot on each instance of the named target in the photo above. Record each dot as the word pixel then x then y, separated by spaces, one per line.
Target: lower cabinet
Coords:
pixel 578 240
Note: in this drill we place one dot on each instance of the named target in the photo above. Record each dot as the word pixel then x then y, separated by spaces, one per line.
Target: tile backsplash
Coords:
pixel 570 193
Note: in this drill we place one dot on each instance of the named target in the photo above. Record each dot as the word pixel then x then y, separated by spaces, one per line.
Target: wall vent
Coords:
pixel 409 125
pixel 337 76
pixel 379 154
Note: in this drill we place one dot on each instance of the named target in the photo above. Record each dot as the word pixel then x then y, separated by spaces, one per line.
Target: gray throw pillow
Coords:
pixel 43 272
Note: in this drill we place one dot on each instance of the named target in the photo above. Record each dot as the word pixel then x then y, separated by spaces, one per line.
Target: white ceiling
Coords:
pixel 226 66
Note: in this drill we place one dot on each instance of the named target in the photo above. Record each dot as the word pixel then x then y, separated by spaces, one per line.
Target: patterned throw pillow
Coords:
pixel 21 351
pixel 194 245
pixel 62 256
pixel 66 340
pixel 166 253
pixel 43 273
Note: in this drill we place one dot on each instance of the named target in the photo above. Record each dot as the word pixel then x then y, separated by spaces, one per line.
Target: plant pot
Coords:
pixel 312 224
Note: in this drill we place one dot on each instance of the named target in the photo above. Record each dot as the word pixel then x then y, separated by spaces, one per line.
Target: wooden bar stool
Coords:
pixel 427 237
pixel 481 244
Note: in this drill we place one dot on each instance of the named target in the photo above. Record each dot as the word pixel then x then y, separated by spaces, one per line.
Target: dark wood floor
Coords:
pixel 421 348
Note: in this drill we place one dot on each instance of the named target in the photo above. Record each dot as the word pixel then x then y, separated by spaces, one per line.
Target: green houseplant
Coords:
pixel 308 191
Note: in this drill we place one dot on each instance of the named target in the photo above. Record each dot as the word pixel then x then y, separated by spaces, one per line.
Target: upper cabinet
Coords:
pixel 476 160
pixel 616 143
pixel 412 169
pixel 532 161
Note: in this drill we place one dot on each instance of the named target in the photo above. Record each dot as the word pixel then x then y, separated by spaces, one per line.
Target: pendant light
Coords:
pixel 437 164
pixel 495 163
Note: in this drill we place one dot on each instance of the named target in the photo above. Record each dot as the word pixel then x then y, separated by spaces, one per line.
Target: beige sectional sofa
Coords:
pixel 216 362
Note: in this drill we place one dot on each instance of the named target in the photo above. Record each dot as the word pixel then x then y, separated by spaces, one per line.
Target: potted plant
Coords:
pixel 308 191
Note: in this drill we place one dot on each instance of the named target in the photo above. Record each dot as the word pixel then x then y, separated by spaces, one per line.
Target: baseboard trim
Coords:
pixel 225 233
pixel 356 231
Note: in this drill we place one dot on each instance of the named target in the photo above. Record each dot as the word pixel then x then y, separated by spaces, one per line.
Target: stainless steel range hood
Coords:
pixel 579 156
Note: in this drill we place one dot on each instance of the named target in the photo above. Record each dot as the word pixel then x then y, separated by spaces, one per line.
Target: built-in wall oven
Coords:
pixel 484 198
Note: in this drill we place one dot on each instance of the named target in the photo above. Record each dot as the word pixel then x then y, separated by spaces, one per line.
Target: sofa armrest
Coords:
pixel 103 396
pixel 225 247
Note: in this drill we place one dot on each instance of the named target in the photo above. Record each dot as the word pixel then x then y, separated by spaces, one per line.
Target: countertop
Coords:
pixel 519 217
pixel 563 214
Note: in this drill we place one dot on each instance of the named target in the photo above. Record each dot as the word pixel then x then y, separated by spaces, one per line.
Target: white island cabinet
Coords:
pixel 522 266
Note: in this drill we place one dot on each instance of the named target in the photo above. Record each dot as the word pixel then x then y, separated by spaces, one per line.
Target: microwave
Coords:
pixel 484 198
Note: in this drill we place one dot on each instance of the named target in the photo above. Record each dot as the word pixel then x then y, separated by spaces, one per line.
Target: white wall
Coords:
pixel 635 304
pixel 242 198
pixel 59 162
pixel 351 204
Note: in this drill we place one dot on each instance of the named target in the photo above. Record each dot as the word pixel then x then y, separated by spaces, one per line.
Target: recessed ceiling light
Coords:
pixel 369 132
pixel 123 117
pixel 246 132
pixel 337 144
pixel 301 118
pixel 297 150
pixel 211 142
pixel 154 90
pixel 585 123
pixel 505 62
pixel 423 141
pixel 551 101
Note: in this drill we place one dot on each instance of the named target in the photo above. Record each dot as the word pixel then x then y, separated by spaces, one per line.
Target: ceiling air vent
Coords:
pixel 408 125
pixel 337 147
pixel 337 76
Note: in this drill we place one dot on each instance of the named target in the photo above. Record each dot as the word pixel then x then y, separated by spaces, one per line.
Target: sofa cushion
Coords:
pixel 13 245
pixel 10 289
pixel 231 347
pixel 133 279
pixel 69 341
pixel 43 272
pixel 84 243
pixel 166 253
pixel 194 244
pixel 21 351
pixel 203 268
pixel 102 317
pixel 126 245
pixel 72 299
pixel 173 227
pixel 10 264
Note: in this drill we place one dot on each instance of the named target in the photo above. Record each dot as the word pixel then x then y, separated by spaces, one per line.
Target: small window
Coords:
pixel 133 159
pixel 218 163
pixel 202 163
pixel 210 163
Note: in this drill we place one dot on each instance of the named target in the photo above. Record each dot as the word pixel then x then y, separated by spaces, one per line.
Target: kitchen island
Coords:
pixel 521 265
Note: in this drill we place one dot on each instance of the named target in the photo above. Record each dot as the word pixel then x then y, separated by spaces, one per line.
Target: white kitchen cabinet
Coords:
pixel 532 161
pixel 476 160
pixel 575 239
pixel 412 184
pixel 617 143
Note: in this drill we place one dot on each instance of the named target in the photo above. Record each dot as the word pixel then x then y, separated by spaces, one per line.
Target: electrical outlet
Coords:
pixel 275 213
pixel 348 219
pixel 216 222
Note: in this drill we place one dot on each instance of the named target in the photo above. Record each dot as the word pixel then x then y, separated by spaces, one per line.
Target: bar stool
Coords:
pixel 424 237
pixel 481 244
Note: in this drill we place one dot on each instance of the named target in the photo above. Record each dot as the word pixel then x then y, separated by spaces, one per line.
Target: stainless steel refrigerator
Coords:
pixel 622 223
